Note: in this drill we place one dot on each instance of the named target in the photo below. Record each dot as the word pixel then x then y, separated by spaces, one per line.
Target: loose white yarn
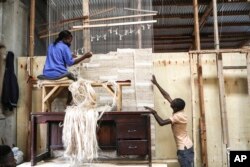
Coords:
pixel 79 129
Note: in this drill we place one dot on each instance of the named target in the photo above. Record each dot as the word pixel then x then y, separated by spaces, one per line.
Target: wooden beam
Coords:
pixel 193 75
pixel 220 51
pixel 244 42
pixel 204 35
pixel 207 13
pixel 189 3
pixel 114 24
pixel 234 67
pixel 190 16
pixel 139 34
pixel 203 20
pixel 86 32
pixel 222 97
pixel 189 41
pixel 237 24
pixel 140 10
pixel 202 113
pixel 248 71
pixel 196 26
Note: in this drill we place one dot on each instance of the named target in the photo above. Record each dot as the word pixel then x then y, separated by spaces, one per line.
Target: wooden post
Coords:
pixel 216 31
pixel 248 71
pixel 202 112
pixel 139 37
pixel 223 110
pixel 193 73
pixel 202 120
pixel 86 31
pixel 196 25
pixel 219 62
pixel 28 102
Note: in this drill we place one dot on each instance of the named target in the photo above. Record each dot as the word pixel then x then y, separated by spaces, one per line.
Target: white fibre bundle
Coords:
pixel 79 129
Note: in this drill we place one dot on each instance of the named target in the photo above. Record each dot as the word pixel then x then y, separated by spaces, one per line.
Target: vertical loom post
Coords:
pixel 202 112
pixel 28 102
pixel 86 31
pixel 139 37
pixel 192 83
pixel 196 26
pixel 248 71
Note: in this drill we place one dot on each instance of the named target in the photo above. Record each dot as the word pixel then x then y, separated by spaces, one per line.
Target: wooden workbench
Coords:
pixel 50 90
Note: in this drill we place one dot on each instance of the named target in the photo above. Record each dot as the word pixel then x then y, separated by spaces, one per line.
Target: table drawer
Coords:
pixel 132 147
pixel 131 131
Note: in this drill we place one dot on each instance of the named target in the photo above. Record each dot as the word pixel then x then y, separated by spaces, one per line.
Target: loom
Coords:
pixel 109 24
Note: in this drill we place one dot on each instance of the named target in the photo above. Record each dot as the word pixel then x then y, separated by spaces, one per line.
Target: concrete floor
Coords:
pixel 60 162
pixel 54 164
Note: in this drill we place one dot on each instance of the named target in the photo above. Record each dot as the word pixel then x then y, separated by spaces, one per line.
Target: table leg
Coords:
pixel 33 140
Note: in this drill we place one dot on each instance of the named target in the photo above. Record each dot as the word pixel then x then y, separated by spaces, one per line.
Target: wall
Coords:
pixel 13 30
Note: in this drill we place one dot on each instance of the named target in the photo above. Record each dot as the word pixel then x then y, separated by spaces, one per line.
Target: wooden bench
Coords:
pixel 51 89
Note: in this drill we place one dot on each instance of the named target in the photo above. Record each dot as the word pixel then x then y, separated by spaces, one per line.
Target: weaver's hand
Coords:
pixel 88 54
pixel 74 55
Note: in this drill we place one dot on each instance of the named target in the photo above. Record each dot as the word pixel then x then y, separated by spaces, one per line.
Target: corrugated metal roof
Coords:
pixel 175 18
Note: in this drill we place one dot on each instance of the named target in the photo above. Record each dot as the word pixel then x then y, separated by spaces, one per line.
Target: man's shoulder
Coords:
pixel 180 116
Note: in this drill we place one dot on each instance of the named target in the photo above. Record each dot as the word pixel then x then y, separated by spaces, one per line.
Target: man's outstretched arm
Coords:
pixel 85 56
pixel 160 121
pixel 163 92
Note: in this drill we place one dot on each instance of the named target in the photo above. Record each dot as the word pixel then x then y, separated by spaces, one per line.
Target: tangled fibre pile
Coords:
pixel 79 128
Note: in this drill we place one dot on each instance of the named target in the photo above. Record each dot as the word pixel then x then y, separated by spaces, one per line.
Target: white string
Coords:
pixel 80 122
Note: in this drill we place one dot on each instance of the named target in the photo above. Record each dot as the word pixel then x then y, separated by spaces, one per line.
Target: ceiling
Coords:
pixel 174 30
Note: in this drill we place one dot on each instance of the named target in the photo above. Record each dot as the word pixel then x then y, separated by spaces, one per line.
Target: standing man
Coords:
pixel 59 57
pixel 178 122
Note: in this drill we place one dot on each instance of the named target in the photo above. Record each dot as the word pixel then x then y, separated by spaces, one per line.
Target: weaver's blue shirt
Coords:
pixel 58 58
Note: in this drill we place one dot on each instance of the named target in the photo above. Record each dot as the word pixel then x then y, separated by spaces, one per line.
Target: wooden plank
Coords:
pixel 234 67
pixel 113 24
pixel 223 110
pixel 139 35
pixel 48 95
pixel 202 114
pixel 86 32
pixel 220 51
pixel 196 26
pixel 248 71
pixel 193 73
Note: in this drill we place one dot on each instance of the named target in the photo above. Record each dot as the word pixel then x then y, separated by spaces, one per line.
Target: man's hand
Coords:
pixel 88 55
pixel 74 55
pixel 150 109
pixel 154 80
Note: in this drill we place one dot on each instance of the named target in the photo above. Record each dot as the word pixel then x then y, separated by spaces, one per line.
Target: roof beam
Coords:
pixel 244 42
pixel 186 16
pixel 186 41
pixel 207 25
pixel 189 3
pixel 203 35
pixel 205 15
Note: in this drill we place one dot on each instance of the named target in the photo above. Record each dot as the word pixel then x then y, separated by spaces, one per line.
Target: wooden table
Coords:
pixel 126 132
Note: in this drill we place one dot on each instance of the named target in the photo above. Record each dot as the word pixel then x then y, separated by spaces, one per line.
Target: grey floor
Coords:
pixel 61 162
